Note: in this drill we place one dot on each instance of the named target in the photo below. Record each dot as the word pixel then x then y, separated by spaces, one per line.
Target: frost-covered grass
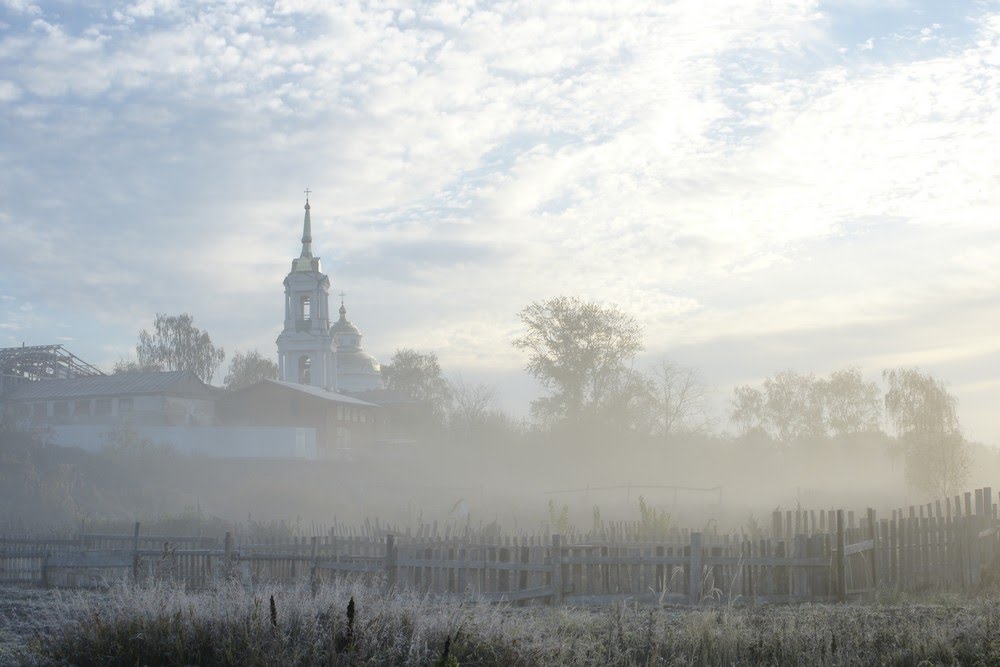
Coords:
pixel 235 626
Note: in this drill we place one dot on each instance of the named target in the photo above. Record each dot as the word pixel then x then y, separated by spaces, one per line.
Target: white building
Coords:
pixel 310 351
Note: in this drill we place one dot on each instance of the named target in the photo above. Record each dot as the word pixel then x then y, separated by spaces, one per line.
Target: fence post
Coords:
pixel 694 584
pixel 801 584
pixel 873 536
pixel 522 577
pixel 840 560
pixel 390 560
pixel 314 571
pixel 135 553
pixel 557 583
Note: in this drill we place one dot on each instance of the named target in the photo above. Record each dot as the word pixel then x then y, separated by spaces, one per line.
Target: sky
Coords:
pixel 764 185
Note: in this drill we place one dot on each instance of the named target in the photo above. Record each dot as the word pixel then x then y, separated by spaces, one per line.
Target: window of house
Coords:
pixel 39 410
pixel 60 409
pixel 24 410
pixel 102 406
pixel 340 412
pixel 82 407
pixel 125 405
pixel 364 416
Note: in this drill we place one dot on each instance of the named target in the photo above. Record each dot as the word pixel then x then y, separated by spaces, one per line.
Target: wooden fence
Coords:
pixel 806 556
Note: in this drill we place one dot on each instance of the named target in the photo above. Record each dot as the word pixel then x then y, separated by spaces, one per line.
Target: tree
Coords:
pixel 748 409
pixel 133 366
pixel 679 399
pixel 850 404
pixel 476 415
pixel 925 418
pixel 471 405
pixel 177 345
pixel 249 369
pixel 580 352
pixel 794 407
pixel 418 375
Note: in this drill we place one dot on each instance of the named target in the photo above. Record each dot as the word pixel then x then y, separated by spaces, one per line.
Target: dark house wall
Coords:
pixel 337 425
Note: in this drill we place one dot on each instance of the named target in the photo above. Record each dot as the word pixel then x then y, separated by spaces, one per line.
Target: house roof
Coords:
pixel 385 397
pixel 319 392
pixel 110 385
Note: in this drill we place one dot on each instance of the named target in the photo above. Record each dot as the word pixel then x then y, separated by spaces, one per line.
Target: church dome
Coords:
pixel 344 326
pixel 356 369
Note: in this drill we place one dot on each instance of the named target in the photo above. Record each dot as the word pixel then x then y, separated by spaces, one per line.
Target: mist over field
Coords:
pixel 724 257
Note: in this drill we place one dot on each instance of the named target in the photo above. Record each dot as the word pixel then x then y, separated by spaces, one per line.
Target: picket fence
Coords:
pixel 807 555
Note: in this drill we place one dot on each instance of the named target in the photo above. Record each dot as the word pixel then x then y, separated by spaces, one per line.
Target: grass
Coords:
pixel 239 626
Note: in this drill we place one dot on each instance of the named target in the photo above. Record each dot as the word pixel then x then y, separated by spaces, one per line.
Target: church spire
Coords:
pixel 307 232
pixel 306 261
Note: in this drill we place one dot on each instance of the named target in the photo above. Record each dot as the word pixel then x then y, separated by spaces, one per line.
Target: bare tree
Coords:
pixel 471 404
pixel 680 399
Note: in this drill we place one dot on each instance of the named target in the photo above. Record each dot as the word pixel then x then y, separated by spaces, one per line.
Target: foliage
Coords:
pixel 580 352
pixel 133 366
pixel 418 375
pixel 851 404
pixel 559 518
pixel 925 417
pixel 246 369
pixel 654 524
pixel 791 407
pixel 176 344
pixel 747 409
pixel 794 406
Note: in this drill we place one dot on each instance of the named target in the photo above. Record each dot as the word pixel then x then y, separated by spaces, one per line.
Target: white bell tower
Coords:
pixel 306 349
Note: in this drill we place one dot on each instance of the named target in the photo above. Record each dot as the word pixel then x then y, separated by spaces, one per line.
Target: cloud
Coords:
pixel 725 170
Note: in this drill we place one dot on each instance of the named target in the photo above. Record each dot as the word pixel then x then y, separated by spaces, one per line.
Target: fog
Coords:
pixel 722 258
pixel 486 472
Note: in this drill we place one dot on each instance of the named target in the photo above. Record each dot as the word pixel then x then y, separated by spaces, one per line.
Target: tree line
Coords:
pixel 584 356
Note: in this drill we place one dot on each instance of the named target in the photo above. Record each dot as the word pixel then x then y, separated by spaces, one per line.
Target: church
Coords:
pixel 329 400
pixel 311 351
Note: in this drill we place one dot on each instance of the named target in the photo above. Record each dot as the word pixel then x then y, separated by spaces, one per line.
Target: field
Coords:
pixel 240 626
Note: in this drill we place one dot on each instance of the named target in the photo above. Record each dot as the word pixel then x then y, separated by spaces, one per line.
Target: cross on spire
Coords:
pixel 307 191
pixel 342 295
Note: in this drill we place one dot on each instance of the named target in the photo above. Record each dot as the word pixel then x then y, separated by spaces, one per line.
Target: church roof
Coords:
pixel 306 261
pixel 319 392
